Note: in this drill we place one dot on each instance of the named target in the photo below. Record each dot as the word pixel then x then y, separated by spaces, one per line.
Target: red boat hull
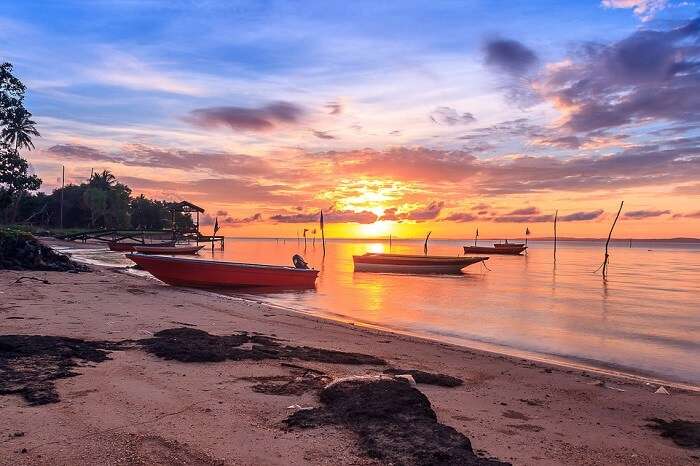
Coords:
pixel 511 251
pixel 167 249
pixel 402 263
pixel 214 274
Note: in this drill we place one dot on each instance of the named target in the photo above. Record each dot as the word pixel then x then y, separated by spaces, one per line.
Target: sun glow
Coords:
pixel 381 228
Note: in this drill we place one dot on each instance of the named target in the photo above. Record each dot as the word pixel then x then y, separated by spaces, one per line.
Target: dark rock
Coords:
pixel 395 423
pixel 427 378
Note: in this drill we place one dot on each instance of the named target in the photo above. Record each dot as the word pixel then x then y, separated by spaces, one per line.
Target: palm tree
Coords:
pixel 104 180
pixel 19 130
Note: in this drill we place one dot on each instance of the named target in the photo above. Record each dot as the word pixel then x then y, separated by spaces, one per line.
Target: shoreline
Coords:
pixel 525 412
pixel 565 361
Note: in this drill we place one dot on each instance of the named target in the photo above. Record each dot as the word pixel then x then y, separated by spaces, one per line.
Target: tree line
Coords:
pixel 99 202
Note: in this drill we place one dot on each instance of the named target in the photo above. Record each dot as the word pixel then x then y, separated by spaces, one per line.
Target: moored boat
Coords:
pixel 405 263
pixel 129 247
pixel 167 249
pixel 180 271
pixel 512 249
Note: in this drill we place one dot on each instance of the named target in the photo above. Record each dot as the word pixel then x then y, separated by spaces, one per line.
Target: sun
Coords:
pixel 380 228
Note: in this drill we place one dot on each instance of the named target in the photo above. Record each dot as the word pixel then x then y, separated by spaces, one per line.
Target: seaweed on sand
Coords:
pixel 683 433
pixel 29 364
pixel 427 378
pixel 194 345
pixel 394 421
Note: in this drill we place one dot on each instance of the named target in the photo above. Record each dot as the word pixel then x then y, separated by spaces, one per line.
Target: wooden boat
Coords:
pixel 168 249
pixel 405 263
pixel 129 247
pixel 511 249
pixel 200 273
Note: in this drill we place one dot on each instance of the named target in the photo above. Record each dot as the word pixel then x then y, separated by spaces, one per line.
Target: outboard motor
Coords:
pixel 299 262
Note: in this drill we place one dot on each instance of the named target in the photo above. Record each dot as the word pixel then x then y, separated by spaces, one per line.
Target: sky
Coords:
pixel 397 117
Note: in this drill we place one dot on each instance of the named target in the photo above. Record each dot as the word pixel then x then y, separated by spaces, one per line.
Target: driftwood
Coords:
pixel 604 265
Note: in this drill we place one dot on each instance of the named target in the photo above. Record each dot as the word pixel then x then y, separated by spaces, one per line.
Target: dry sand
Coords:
pixel 139 409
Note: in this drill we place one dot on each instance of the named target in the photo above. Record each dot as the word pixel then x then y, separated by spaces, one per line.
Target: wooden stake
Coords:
pixel 63 185
pixel 556 215
pixel 425 246
pixel 607 256
pixel 323 235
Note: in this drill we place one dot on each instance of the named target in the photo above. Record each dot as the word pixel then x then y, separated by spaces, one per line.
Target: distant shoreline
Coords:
pixel 547 239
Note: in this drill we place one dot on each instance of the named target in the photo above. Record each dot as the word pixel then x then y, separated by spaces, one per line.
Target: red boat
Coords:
pixel 200 273
pixel 168 249
pixel 511 249
pixel 129 247
pixel 405 263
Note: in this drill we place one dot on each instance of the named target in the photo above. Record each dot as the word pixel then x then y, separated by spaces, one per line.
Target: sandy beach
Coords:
pixel 139 408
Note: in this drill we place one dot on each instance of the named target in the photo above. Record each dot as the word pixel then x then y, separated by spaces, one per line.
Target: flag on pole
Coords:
pixel 527 233
pixel 216 225
pixel 476 237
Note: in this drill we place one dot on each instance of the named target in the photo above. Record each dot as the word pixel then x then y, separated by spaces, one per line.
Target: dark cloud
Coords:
pixel 460 217
pixel 222 213
pixel 509 56
pixel 322 134
pixel 450 117
pixel 147 156
pixel 533 215
pixel 525 211
pixel 332 216
pixel 640 214
pixel 242 221
pixel 335 108
pixel 428 212
pixel 249 119
pixel 648 76
pixel 580 216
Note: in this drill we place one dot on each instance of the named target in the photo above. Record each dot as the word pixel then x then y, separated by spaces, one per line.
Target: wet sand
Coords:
pixel 139 408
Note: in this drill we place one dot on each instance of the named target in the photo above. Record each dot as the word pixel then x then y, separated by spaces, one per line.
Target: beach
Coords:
pixel 138 408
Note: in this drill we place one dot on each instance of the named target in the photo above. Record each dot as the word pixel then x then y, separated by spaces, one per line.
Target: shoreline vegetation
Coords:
pixel 176 376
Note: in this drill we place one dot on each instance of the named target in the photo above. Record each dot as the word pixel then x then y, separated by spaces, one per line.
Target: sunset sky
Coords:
pixel 393 117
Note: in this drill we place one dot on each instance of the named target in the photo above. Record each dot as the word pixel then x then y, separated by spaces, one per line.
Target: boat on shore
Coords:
pixel 511 249
pixel 167 249
pixel 180 271
pixel 406 263
pixel 120 246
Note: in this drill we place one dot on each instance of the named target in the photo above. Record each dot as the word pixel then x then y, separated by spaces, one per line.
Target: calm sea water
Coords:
pixel 645 319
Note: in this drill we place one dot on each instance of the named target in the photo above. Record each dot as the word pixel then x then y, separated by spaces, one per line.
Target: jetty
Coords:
pixel 140 235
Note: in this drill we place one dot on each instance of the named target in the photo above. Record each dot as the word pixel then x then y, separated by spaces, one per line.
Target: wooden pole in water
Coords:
pixel 607 256
pixel 476 236
pixel 323 235
pixel 63 185
pixel 556 216
pixel 389 242
pixel 425 246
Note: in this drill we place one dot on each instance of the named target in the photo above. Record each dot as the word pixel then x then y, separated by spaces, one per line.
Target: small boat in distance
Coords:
pixel 406 263
pixel 129 247
pixel 167 249
pixel 511 249
pixel 199 273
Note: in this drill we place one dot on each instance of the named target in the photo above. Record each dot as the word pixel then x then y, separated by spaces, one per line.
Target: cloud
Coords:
pixel 258 119
pixel 322 134
pixel 336 108
pixel 640 214
pixel 509 56
pixel 222 213
pixel 236 222
pixel 420 214
pixel 525 211
pixel 690 189
pixel 332 216
pixel 580 216
pixel 460 217
pixel 148 156
pixel 533 215
pixel 648 76
pixel 645 9
pixel 450 117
